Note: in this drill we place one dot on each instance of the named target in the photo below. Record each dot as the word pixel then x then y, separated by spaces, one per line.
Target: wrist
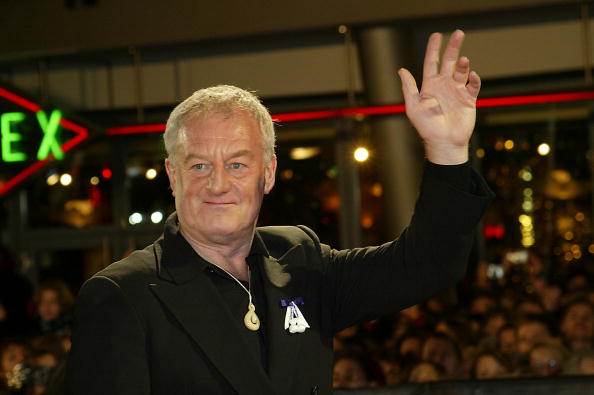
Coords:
pixel 446 155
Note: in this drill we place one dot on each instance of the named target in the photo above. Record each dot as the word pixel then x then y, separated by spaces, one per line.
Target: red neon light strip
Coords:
pixel 381 110
pixel 535 99
pixel 11 183
pixel 149 128
pixel 18 100
pixel 81 132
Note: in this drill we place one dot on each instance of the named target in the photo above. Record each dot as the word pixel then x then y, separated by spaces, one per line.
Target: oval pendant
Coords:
pixel 251 320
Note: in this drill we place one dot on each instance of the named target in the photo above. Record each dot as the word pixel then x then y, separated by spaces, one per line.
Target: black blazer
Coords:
pixel 153 323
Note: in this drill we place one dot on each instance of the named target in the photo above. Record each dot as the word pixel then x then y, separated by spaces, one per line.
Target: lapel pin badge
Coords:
pixel 294 320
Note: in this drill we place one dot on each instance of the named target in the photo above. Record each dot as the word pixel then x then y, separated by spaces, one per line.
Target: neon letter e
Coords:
pixel 9 137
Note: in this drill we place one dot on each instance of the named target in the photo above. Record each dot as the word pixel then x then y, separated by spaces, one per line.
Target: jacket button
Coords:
pixel 314 390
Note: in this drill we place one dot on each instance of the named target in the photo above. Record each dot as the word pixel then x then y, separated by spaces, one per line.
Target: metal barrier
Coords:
pixel 566 385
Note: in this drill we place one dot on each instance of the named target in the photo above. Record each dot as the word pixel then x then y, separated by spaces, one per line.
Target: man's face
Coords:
pixel 219 178
pixel 578 323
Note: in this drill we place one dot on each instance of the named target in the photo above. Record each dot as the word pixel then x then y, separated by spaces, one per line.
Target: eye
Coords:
pixel 199 166
pixel 236 165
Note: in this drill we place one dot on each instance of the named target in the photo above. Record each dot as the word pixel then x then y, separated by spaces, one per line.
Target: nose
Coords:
pixel 218 181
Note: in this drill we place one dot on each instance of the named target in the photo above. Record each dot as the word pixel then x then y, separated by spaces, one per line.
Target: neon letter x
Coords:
pixel 49 142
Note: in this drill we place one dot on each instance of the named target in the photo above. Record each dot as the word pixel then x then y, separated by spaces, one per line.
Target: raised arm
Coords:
pixel 444 111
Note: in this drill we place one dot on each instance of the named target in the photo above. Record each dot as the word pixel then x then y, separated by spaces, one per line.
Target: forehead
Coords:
pixel 220 127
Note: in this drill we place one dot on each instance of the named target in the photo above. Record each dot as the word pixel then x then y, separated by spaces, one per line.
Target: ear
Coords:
pixel 170 168
pixel 269 175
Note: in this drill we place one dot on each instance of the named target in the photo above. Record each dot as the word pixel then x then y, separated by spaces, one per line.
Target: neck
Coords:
pixel 230 257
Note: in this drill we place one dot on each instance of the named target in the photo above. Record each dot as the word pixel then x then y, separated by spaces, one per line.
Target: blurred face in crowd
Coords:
pixel 410 346
pixel 488 367
pixel 441 352
pixel 423 373
pixel 530 333
pixel 348 373
pixel 49 305
pixel 587 366
pixel 13 354
pixel 546 361
pixel 508 341
pixel 578 323
pixel 220 177
pixel 482 305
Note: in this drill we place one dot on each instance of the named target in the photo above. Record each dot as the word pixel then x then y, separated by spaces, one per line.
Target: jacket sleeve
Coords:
pixel 430 255
pixel 108 354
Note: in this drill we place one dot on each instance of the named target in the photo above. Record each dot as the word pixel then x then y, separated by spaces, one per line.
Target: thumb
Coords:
pixel 409 86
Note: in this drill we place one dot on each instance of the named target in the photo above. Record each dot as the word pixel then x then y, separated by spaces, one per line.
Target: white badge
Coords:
pixel 295 321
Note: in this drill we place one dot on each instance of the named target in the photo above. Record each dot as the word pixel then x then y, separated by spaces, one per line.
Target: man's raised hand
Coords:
pixel 444 111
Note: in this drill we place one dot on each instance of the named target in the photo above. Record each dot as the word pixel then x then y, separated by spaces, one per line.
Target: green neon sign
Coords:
pixel 49 127
pixel 10 134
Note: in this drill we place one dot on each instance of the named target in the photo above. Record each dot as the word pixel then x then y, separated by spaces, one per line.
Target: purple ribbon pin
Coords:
pixel 287 302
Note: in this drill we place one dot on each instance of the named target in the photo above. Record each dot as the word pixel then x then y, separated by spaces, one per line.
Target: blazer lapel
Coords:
pixel 201 311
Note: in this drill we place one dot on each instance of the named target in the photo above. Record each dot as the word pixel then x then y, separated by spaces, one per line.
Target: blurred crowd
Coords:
pixel 517 318
pixel 34 332
pixel 521 317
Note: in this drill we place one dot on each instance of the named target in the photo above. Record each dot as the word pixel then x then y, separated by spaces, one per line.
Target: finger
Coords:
pixel 474 84
pixel 431 63
pixel 409 86
pixel 450 55
pixel 462 70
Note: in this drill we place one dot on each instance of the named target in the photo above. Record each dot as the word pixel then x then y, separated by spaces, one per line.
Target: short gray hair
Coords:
pixel 221 99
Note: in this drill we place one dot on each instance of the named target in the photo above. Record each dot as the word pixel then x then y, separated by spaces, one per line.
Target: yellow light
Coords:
pixel 543 149
pixel 525 174
pixel 579 217
pixel 53 179
pixel 528 206
pixel 509 145
pixel 591 248
pixel 577 255
pixel 528 241
pixel 568 235
pixel 377 190
pixel 287 174
pixel 575 249
pixel 528 192
pixel 150 174
pixel 94 180
pixel 301 153
pixel 568 256
pixel 367 221
pixel 361 154
pixel 480 153
pixel 498 145
pixel 525 220
pixel 65 179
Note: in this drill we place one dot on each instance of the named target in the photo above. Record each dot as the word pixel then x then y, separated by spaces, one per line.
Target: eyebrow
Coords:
pixel 234 155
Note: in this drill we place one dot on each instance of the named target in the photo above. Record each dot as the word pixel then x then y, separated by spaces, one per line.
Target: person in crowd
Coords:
pixel 580 363
pixel 577 325
pixel 426 372
pixel 547 358
pixel 491 365
pixel 13 352
pixel 507 343
pixel 442 350
pixel 356 371
pixel 219 306
pixel 53 304
pixel 531 330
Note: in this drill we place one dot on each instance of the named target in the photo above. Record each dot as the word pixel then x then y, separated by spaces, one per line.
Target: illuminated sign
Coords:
pixel 31 137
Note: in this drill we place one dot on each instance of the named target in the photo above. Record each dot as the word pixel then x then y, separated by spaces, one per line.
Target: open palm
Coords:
pixel 444 111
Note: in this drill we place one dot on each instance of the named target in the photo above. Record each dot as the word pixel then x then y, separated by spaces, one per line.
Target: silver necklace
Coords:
pixel 251 320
